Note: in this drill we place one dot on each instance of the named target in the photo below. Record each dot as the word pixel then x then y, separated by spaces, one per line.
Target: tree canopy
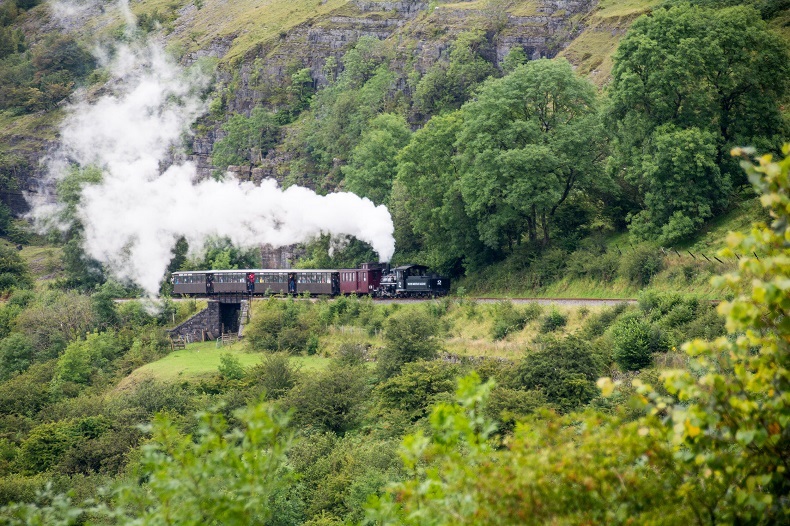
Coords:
pixel 528 141
pixel 693 79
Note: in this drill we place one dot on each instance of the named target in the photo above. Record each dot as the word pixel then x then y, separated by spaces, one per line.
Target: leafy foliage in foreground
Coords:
pixel 713 450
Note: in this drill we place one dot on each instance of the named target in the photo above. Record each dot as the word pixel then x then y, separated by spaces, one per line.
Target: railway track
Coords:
pixel 566 302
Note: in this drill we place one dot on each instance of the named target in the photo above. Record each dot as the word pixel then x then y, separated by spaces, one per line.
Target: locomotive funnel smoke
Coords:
pixel 133 218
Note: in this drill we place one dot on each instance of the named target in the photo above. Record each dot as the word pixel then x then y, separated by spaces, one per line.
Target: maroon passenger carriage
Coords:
pixel 363 280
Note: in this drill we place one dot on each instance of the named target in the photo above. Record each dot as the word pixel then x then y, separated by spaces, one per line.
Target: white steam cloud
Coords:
pixel 135 215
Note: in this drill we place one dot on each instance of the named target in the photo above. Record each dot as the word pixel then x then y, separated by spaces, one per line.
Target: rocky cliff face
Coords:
pixel 421 33
pixel 429 33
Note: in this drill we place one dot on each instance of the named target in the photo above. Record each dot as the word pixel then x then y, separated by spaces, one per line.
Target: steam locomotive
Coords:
pixel 376 280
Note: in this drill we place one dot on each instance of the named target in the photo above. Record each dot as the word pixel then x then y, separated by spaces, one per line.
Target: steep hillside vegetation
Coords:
pixel 259 46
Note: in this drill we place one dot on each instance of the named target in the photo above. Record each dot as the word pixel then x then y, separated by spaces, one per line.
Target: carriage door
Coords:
pixel 209 283
pixel 250 282
pixel 292 283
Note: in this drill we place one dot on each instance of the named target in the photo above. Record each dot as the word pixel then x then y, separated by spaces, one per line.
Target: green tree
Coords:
pixel 82 358
pixel 55 319
pixel 427 201
pixel 448 85
pixel 688 81
pixel 301 90
pixel 529 141
pixel 13 270
pixel 682 186
pixel 247 139
pixel 16 355
pixel 515 58
pixel 373 162
pixel 418 386
pixel 81 271
pixel 632 343
pixel 276 375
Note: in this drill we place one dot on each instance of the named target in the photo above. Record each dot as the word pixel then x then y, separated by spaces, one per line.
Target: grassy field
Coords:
pixel 202 359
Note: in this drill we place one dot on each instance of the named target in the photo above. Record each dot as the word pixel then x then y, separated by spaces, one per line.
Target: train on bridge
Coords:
pixel 373 279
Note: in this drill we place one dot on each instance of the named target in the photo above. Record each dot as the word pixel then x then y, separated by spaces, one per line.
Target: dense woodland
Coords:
pixel 673 410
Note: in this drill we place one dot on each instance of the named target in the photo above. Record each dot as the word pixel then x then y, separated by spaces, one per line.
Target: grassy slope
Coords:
pixel 682 272
pixel 469 325
pixel 592 51
pixel 202 359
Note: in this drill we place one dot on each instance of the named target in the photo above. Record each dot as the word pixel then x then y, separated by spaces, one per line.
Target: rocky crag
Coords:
pixel 421 33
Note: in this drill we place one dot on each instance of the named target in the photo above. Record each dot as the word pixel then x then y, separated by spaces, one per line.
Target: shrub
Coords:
pixel 597 324
pixel 632 343
pixel 565 371
pixel 229 367
pixel 641 264
pixel 13 270
pixel 275 374
pixel 83 358
pixel 153 396
pixel 330 400
pixel 27 393
pixel 414 389
pixel 511 405
pixel 45 446
pixel 55 319
pixel 284 326
pixel 293 340
pixel 549 266
pixel 352 353
pixel 509 318
pixel 552 321
pixel 408 337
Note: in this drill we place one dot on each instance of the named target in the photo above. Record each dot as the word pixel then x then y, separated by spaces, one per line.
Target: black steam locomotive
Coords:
pixel 376 280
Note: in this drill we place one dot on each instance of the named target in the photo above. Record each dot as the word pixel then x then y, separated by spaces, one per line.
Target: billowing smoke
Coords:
pixel 133 218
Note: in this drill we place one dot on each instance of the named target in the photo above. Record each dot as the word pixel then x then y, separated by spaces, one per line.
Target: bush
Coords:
pixel 13 270
pixel 284 326
pixel 55 319
pixel 597 324
pixel 330 400
pixel 415 388
pixel 509 319
pixel 409 336
pixel 352 353
pixel 229 367
pixel 597 265
pixel 27 393
pixel 633 339
pixel 565 371
pixel 552 321
pixel 641 264
pixel 83 358
pixel 45 446
pixel 275 374
pixel 153 396
pixel 293 340
pixel 511 405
